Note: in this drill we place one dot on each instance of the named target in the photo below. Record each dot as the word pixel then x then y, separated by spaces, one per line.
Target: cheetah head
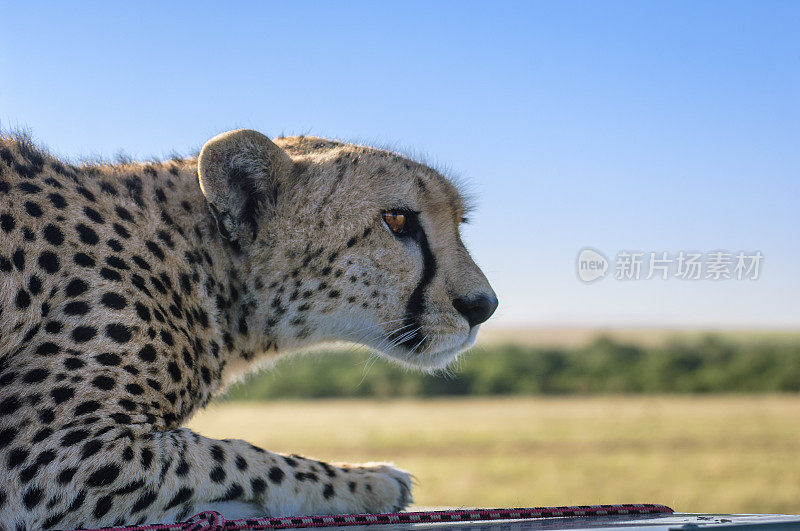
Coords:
pixel 343 242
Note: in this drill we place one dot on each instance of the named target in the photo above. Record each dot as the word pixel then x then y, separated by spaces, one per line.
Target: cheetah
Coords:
pixel 132 293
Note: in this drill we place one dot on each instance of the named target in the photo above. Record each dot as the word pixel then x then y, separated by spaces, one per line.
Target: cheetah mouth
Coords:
pixel 437 353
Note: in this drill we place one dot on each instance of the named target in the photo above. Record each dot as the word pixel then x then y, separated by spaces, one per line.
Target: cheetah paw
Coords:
pixel 381 488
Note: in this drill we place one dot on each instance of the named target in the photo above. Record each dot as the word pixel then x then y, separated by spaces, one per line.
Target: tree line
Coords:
pixel 709 365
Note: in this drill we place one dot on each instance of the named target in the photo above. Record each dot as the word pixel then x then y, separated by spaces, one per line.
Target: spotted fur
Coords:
pixel 132 294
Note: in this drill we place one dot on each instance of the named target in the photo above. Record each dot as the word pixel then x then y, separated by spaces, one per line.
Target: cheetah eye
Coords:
pixel 396 221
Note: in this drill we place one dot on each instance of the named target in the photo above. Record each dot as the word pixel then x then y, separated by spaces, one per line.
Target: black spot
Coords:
pixel 103 505
pixel 7 222
pixel 142 312
pixel 33 209
pixel 147 458
pixel 35 285
pixel 138 282
pixel 16 457
pixel 66 475
pixel 145 501
pixel 114 301
pixel 166 239
pixel 134 389
pixel 22 300
pixel 29 188
pixel 217 453
pixel 122 418
pixel 76 308
pixel 52 327
pixel 122 231
pixel 35 376
pixel 183 468
pixel 123 214
pixel 18 258
pixel 155 249
pixel 53 234
pixel 108 359
pixel 84 260
pixel 118 332
pixel 328 492
pixel 148 353
pixel 91 448
pixel 32 497
pixel 48 261
pixel 302 476
pixel 93 215
pixel 57 200
pixel 76 287
pixel 352 486
pixel 139 261
pixel 85 193
pixel 258 485
pixel 114 245
pixel 47 349
pixel 166 337
pixel 103 382
pixel 182 496
pixel 89 406
pixel 158 285
pixel 217 475
pixel 116 261
pixel 241 463
pixel 186 283
pixel 276 475
pixel 234 491
pixel 86 234
pixel 73 363
pixel 34 398
pixel 62 394
pixel 328 469
pixel 104 475
pixel 46 416
pixel 110 274
pixel 108 189
pixel 174 371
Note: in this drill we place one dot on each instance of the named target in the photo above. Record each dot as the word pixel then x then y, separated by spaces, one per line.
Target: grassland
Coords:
pixel 706 453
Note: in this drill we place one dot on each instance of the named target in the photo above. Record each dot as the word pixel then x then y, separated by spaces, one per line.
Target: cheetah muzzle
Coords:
pixel 131 294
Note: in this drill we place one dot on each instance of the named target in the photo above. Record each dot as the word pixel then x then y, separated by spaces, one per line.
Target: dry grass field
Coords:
pixel 694 453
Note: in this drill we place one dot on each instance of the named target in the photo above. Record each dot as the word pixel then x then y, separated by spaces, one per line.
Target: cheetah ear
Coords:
pixel 240 174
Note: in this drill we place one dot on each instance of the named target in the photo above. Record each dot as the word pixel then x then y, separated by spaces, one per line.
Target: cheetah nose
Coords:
pixel 476 308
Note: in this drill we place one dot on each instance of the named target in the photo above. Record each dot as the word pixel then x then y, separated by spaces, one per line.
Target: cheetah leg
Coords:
pixel 157 477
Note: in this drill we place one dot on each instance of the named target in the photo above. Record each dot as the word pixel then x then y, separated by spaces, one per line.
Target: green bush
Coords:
pixel 710 365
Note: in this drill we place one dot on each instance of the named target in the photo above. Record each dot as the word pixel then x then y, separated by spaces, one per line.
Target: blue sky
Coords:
pixel 616 125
